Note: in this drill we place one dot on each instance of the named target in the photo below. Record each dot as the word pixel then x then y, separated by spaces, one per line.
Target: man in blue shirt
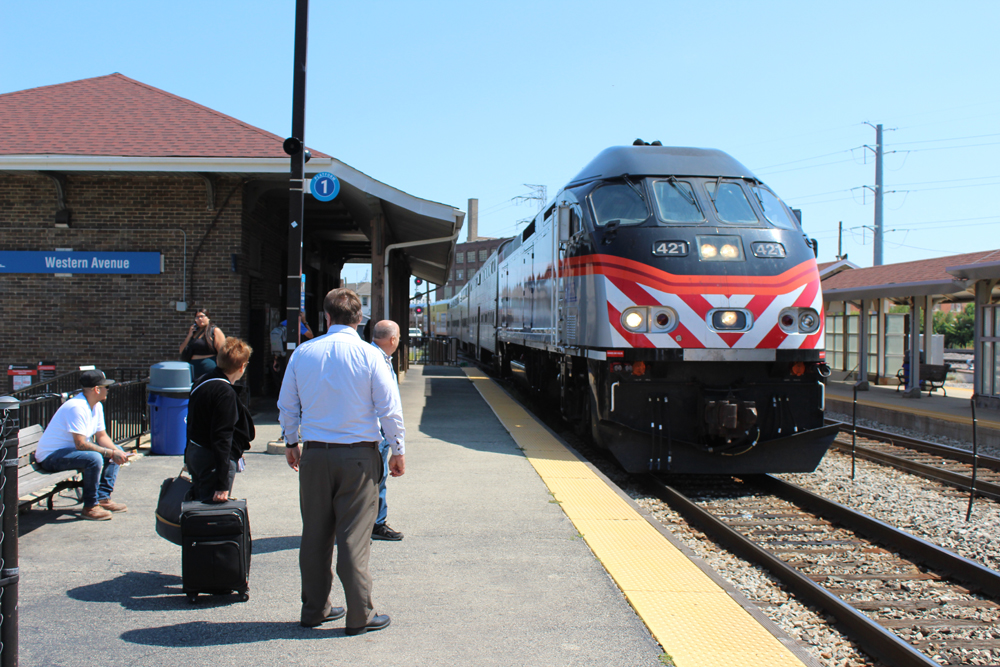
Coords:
pixel 386 338
pixel 338 392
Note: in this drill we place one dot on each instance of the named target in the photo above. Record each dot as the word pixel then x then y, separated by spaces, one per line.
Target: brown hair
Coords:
pixel 343 306
pixel 233 355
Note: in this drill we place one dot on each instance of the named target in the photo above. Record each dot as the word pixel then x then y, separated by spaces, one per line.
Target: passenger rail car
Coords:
pixel 670 302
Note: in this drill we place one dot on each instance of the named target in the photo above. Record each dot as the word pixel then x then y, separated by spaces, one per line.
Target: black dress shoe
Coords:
pixel 382 531
pixel 335 613
pixel 377 623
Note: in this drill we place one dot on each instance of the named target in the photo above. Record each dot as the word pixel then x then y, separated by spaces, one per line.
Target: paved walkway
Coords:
pixel 491 572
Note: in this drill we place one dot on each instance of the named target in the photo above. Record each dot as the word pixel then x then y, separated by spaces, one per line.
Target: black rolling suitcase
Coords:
pixel 215 548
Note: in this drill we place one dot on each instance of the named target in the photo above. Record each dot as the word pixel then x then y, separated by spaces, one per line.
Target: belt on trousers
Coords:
pixel 312 444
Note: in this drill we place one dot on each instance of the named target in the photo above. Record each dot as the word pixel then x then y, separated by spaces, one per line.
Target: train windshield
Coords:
pixel 675 202
pixel 774 210
pixel 618 201
pixel 731 203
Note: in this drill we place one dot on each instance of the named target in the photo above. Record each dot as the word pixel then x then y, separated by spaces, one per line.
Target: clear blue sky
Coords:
pixel 452 100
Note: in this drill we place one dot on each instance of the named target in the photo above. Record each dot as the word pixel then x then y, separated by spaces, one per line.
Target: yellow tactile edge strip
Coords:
pixel 692 618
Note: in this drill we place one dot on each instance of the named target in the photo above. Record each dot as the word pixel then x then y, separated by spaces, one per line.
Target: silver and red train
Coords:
pixel 670 302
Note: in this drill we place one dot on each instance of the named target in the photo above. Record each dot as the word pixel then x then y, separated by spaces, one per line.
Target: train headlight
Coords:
pixel 730 320
pixel 662 320
pixel 634 319
pixel 720 248
pixel 799 320
pixel 808 320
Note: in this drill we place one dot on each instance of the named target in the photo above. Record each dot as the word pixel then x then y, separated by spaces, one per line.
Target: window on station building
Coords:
pixel 470 256
pixel 364 300
pixel 459 276
pixel 460 258
pixel 482 255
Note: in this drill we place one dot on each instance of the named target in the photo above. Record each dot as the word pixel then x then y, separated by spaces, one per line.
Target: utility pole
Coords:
pixel 294 146
pixel 878 196
pixel 840 240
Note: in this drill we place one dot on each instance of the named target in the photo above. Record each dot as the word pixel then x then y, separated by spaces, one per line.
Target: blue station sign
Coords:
pixel 62 261
pixel 324 186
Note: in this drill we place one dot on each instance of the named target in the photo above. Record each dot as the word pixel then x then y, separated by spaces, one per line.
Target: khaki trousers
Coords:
pixel 338 498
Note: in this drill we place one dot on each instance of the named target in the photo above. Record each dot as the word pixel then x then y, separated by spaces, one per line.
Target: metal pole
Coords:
pixel 878 196
pixel 854 430
pixel 9 571
pixel 975 460
pixel 295 147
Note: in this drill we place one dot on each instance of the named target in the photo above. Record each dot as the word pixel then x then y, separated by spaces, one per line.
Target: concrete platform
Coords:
pixel 491 570
pixel 948 416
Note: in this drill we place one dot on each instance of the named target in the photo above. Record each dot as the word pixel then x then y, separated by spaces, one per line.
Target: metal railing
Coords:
pixel 436 351
pixel 70 382
pixel 126 416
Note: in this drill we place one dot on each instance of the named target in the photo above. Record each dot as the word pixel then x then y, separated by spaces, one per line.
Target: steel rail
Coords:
pixel 873 638
pixel 969 571
pixel 946 451
pixel 958 480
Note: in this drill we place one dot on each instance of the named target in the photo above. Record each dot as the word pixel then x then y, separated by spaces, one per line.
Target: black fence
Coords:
pixel 9 571
pixel 126 416
pixel 434 351
pixel 70 382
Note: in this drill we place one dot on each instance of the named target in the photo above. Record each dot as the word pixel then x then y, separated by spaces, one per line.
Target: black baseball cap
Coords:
pixel 94 379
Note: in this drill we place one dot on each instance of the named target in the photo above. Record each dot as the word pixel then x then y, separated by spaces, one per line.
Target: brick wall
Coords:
pixel 127 320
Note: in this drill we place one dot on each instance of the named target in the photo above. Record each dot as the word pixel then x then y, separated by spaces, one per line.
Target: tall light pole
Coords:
pixel 295 147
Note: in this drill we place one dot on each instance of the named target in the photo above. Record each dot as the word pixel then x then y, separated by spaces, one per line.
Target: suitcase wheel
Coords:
pixel 244 596
pixel 192 598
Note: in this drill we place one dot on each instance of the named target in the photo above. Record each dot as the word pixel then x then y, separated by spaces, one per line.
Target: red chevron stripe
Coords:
pixel 636 294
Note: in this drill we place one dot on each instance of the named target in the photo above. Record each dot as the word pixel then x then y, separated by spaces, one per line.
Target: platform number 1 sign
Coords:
pixel 324 186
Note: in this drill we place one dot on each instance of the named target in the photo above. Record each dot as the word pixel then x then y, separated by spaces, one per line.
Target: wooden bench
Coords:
pixel 932 377
pixel 33 482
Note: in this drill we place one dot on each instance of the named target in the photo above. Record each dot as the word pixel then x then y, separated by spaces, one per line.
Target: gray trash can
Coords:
pixel 169 389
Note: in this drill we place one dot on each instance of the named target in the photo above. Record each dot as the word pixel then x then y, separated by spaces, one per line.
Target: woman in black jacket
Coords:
pixel 219 426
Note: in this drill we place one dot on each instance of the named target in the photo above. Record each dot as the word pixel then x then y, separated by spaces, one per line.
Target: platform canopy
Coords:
pixel 950 277
pixel 116 125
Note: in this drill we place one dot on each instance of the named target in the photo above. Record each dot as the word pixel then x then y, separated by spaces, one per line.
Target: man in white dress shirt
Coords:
pixel 337 391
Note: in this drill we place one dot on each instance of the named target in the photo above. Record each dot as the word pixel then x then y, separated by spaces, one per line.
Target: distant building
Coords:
pixel 364 290
pixel 468 258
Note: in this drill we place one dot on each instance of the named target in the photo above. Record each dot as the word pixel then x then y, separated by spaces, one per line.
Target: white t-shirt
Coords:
pixel 73 416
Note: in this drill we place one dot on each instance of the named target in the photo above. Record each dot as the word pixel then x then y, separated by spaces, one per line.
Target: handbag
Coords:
pixel 173 492
pixel 186 353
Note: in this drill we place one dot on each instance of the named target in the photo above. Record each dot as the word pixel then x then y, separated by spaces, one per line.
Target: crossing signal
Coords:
pixel 419 282
pixel 420 310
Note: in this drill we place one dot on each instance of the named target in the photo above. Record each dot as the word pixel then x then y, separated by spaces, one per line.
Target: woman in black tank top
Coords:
pixel 203 341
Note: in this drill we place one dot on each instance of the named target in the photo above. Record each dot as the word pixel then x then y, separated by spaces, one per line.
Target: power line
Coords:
pixel 931 141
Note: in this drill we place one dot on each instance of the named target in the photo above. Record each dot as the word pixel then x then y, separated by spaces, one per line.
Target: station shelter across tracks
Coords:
pixel 871 348
pixel 124 207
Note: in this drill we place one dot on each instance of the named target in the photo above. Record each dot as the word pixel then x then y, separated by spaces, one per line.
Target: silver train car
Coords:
pixel 670 303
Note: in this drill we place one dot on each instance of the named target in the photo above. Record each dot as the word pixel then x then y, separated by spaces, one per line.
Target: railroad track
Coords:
pixel 941 463
pixel 903 600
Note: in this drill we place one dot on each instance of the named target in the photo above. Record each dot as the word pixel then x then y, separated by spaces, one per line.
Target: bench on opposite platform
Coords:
pixel 34 483
pixel 932 377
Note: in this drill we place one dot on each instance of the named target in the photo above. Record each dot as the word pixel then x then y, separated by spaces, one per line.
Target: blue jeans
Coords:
pixel 98 474
pixel 383 509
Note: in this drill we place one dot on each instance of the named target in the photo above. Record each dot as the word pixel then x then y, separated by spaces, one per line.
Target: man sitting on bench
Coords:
pixel 76 439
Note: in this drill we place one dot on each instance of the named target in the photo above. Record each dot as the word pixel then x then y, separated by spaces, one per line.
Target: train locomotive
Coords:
pixel 670 303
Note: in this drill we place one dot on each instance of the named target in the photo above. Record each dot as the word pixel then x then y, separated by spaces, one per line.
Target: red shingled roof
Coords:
pixel 907 272
pixel 116 116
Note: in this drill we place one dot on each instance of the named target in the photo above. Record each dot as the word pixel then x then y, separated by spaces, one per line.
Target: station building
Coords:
pixel 867 342
pixel 103 172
